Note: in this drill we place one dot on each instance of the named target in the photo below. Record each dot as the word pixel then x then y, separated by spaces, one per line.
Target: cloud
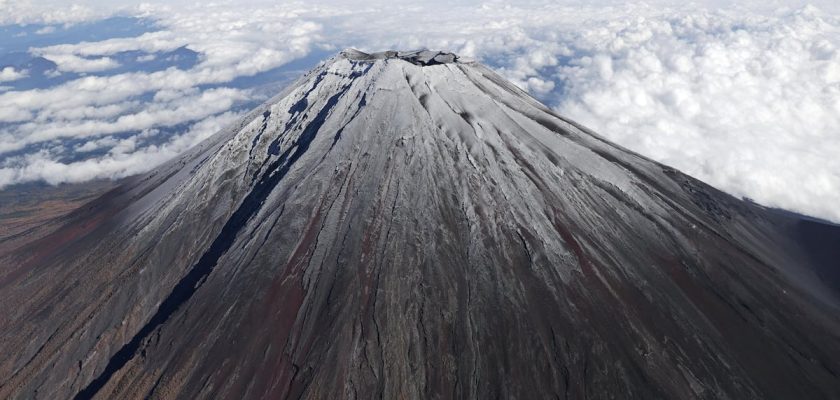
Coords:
pixel 123 160
pixel 149 42
pixel 749 105
pixel 86 106
pixel 45 30
pixel 29 12
pixel 745 96
pixel 9 74
pixel 73 63
pixel 77 120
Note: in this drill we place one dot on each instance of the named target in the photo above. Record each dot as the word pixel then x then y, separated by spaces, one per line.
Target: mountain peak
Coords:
pixel 417 57
pixel 383 229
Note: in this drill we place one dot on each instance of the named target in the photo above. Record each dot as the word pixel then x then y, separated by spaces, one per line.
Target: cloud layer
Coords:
pixel 751 106
pixel 9 74
pixel 746 98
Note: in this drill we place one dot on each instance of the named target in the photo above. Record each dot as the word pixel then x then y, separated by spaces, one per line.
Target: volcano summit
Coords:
pixel 410 225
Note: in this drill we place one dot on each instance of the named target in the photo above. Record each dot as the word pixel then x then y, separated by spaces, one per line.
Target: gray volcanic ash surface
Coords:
pixel 410 225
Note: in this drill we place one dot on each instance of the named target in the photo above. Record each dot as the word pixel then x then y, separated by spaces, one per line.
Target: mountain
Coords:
pixel 410 225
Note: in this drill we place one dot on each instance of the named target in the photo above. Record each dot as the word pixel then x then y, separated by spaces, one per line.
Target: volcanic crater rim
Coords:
pixel 422 58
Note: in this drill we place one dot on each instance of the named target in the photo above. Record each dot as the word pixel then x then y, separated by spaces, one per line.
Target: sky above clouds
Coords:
pixel 742 95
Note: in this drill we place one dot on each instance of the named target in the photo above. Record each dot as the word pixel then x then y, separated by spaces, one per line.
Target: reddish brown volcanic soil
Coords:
pixel 29 212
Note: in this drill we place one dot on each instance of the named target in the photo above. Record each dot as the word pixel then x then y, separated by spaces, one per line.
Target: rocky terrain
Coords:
pixel 30 211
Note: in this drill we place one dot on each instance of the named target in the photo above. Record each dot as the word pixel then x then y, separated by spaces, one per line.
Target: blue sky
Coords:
pixel 743 95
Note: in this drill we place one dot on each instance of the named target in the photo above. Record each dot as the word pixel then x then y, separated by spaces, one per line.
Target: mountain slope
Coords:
pixel 410 225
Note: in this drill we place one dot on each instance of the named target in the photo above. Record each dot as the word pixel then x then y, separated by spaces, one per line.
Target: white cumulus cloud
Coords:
pixel 123 160
pixel 749 105
pixel 27 12
pixel 9 74
pixel 73 63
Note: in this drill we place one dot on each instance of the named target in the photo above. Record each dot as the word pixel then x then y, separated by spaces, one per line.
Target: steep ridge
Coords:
pixel 410 225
